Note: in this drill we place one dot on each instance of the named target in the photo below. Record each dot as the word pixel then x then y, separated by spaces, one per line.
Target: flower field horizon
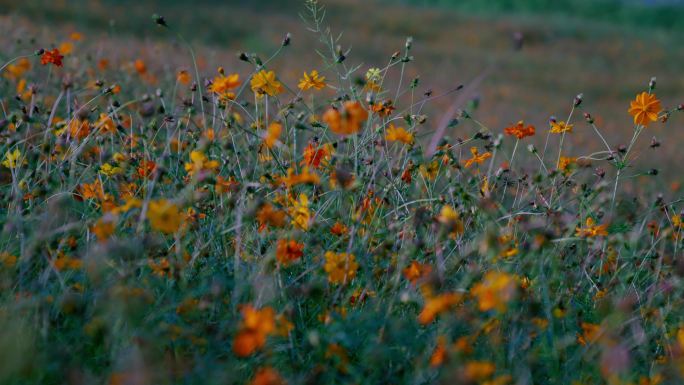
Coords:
pixel 173 214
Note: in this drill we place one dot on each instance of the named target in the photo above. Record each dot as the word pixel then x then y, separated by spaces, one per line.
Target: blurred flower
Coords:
pixel 51 57
pixel 300 213
pixel 267 215
pixel 267 376
pixel 12 159
pixel 288 251
pixel 341 267
pixel 494 291
pixel 591 229
pixel 398 134
pixel 223 85
pixel 256 325
pixel 164 216
pixel 272 134
pixel 437 305
pixel 348 121
pixel 314 155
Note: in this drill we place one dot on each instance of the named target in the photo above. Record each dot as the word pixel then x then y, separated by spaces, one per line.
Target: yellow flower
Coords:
pixel 311 80
pixel 300 213
pixel 164 216
pixel 7 259
pixel 266 83
pixel 560 127
pixel 341 267
pixel 200 162
pixel 109 170
pixel 12 158
pixel 398 134
pixel 66 48
pixel 645 108
pixel 494 291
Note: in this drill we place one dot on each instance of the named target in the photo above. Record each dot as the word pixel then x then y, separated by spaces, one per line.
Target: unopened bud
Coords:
pixel 578 100
pixel 287 40
pixel 588 118
pixel 159 20
pixel 243 56
pixel 652 84
pixel 531 148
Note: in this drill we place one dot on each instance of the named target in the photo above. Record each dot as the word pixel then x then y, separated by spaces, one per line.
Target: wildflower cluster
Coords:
pixel 247 230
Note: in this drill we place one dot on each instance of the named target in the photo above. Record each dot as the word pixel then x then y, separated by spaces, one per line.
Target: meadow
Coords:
pixel 291 193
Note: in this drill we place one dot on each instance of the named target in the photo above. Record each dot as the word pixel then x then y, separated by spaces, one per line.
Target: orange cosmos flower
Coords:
pixel 51 57
pixel 341 267
pixel 494 291
pixel 398 134
pixel 348 121
pixel 222 85
pixel 267 376
pixel 311 80
pixel 339 229
pixel 305 177
pixel 265 83
pixel 256 325
pixel 437 305
pixel 79 128
pixel 565 164
pixel 288 251
pixel 383 109
pixel 439 355
pixel 477 157
pixel 645 109
pixel 314 154
pixel 267 215
pixel 146 168
pixel 591 229
pixel 183 77
pixel 416 270
pixel 519 130
pixel 272 134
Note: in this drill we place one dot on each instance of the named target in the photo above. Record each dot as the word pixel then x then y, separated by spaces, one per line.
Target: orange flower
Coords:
pixel 267 215
pixel 222 85
pixel 519 130
pixel 565 163
pixel 383 109
pixel 494 291
pixel 437 305
pixel 477 157
pixel 348 121
pixel 398 134
pixel 79 128
pixel 314 154
pixel 224 185
pixel 51 57
pixel 439 355
pixel 339 229
pixel 146 168
pixel 591 230
pixel 272 134
pixel 478 370
pixel 288 251
pixel 267 376
pixel 645 108
pixel 590 333
pixel 305 177
pixel 140 66
pixel 416 270
pixel 183 77
pixel 256 325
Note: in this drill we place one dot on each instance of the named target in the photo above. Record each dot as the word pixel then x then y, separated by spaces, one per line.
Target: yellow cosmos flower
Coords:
pixel 164 216
pixel 341 267
pixel 311 80
pixel 12 158
pixel 265 83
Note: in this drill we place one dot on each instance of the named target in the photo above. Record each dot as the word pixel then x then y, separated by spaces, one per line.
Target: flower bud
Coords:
pixel 287 40
pixel 159 20
pixel 578 100
pixel 588 118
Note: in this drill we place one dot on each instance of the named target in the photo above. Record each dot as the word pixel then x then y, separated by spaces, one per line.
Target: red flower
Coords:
pixel 51 57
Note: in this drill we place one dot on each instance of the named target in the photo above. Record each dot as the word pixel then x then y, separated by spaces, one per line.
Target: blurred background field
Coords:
pixel 607 50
